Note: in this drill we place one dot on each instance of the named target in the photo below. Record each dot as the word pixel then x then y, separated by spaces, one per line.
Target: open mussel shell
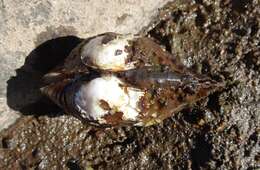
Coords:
pixel 108 52
pixel 102 100
pixel 113 79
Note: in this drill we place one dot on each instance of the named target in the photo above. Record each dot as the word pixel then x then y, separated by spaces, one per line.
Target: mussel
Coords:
pixel 113 79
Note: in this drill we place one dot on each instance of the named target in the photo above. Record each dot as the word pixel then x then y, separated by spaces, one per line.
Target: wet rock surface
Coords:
pixel 217 38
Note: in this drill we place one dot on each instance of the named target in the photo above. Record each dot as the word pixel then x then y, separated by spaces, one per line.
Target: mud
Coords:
pixel 218 38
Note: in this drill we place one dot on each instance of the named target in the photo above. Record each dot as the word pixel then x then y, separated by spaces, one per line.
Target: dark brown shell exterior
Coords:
pixel 169 86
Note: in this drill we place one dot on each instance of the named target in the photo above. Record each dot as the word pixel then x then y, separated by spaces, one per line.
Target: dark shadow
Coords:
pixel 23 92
pixel 193 116
pixel 201 154
pixel 73 164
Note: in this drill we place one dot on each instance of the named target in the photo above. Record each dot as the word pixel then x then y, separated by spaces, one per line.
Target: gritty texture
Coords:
pixel 219 38
pixel 24 25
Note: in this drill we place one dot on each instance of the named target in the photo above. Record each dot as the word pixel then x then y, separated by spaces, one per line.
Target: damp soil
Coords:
pixel 219 38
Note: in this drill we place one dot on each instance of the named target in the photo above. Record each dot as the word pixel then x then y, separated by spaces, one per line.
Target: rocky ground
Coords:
pixel 218 38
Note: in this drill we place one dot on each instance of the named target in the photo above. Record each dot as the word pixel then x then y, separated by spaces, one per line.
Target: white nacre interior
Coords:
pixel 109 56
pixel 112 90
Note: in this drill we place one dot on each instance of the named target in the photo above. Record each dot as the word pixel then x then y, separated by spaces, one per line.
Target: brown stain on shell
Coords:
pixel 114 119
pixel 104 105
pixel 164 102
